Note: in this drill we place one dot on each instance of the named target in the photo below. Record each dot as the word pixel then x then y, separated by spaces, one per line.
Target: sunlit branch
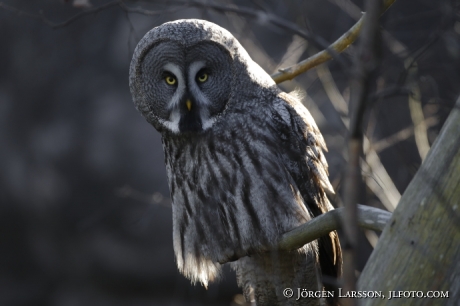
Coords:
pixel 338 46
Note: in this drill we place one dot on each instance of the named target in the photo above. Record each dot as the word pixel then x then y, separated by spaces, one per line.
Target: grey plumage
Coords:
pixel 244 160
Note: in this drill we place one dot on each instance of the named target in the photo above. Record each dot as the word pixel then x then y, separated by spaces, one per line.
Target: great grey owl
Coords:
pixel 244 161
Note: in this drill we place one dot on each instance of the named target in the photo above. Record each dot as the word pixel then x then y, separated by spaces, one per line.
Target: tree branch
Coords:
pixel 338 46
pixel 368 217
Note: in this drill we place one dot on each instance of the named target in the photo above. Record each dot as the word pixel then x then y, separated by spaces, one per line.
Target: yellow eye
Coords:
pixel 203 77
pixel 170 80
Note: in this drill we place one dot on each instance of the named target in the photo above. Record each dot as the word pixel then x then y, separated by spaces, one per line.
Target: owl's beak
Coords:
pixel 188 103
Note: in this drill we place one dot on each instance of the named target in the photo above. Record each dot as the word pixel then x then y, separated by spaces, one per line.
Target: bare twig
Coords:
pixel 91 11
pixel 250 41
pixel 402 135
pixel 377 178
pixel 366 63
pixel 56 25
pixel 336 98
pixel 379 181
pixel 293 52
pixel 139 10
pixel 371 237
pixel 266 17
pixel 416 112
pixel 259 15
pixel 396 46
pixel 338 46
pixel 389 92
pixel 432 39
pixel 332 92
pixel 330 51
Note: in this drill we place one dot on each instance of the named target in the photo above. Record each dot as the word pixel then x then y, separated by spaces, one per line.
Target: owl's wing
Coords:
pixel 304 158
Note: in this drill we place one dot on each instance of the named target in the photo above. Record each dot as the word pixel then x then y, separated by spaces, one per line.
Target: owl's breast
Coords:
pixel 231 196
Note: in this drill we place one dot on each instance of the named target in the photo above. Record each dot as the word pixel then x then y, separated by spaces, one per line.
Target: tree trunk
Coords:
pixel 420 247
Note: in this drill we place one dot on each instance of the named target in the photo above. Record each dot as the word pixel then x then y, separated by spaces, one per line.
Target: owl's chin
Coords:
pixel 190 124
pixel 186 124
pixel 195 123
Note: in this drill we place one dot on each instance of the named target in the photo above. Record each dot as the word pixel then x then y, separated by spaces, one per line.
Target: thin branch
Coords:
pixel 265 17
pixel 338 46
pixel 378 180
pixel 333 92
pixel 139 10
pixel 389 92
pixel 371 237
pixel 95 10
pixel 376 176
pixel 56 25
pixel 401 135
pixel 331 51
pixel 368 218
pixel 259 15
pixel 432 39
pixel 416 113
pixel 366 63
pixel 394 45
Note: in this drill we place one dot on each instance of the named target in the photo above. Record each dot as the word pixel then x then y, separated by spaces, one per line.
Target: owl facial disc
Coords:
pixel 182 87
pixel 188 104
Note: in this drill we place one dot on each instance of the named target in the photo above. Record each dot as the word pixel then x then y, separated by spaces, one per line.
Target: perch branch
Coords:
pixel 368 218
pixel 338 46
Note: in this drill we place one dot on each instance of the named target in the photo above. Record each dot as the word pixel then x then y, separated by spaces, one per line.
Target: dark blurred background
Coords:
pixel 85 216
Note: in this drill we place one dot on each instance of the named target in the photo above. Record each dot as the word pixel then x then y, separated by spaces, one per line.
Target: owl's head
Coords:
pixel 185 74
